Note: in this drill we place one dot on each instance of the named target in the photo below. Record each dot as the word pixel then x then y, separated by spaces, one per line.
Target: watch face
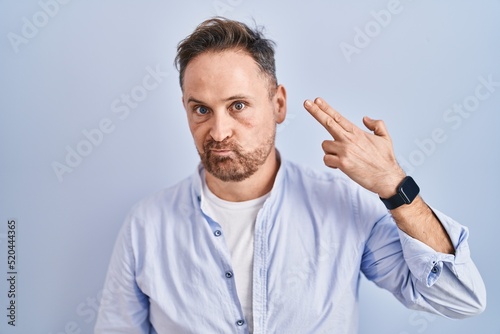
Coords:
pixel 406 193
pixel 409 190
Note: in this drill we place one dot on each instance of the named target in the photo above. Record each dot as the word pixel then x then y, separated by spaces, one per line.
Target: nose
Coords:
pixel 221 126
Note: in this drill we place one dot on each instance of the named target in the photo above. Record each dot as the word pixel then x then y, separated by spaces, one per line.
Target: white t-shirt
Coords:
pixel 237 220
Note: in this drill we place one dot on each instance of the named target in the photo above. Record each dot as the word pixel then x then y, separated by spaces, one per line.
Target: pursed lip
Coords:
pixel 214 150
pixel 221 152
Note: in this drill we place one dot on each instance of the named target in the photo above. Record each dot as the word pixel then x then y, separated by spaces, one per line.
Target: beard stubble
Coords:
pixel 238 167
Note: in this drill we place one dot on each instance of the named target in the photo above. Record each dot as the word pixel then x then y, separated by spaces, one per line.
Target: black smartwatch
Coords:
pixel 406 193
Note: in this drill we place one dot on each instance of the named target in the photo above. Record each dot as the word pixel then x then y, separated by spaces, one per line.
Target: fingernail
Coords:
pixel 308 103
pixel 319 101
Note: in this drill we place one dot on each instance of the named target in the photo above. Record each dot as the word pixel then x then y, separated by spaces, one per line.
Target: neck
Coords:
pixel 257 185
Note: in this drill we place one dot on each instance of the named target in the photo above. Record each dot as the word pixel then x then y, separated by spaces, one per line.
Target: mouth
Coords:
pixel 220 152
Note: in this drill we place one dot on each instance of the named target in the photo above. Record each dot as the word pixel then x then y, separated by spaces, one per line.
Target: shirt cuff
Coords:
pixel 425 263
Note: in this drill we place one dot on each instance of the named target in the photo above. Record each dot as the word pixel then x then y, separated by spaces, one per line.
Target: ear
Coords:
pixel 279 101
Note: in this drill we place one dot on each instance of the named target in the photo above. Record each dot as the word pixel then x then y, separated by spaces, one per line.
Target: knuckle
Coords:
pixel 329 121
pixel 344 163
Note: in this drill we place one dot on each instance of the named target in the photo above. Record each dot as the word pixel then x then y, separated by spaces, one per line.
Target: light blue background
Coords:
pixel 64 79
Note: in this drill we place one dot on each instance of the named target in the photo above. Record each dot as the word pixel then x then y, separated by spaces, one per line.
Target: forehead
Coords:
pixel 227 72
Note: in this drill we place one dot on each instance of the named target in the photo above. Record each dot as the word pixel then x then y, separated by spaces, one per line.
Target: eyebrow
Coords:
pixel 231 98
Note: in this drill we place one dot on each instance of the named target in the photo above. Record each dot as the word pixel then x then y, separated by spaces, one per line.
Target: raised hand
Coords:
pixel 366 157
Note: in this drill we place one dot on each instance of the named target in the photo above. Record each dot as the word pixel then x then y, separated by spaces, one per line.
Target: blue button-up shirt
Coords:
pixel 171 270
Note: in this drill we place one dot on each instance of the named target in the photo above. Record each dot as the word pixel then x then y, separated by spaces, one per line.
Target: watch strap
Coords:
pixel 405 194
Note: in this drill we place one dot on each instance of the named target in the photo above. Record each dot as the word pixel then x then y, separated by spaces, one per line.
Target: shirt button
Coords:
pixel 240 322
pixel 229 275
pixel 217 233
pixel 435 269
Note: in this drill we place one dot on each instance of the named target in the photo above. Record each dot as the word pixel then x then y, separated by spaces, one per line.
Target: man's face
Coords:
pixel 230 112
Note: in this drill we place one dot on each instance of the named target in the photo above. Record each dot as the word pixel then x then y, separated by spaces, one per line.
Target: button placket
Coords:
pixel 223 252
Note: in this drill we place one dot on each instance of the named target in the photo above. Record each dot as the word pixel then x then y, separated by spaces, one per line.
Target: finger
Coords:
pixel 377 126
pixel 337 117
pixel 324 119
pixel 332 153
pixel 330 147
pixel 331 160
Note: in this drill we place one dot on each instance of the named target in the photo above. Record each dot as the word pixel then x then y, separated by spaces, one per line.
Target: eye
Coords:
pixel 201 110
pixel 238 106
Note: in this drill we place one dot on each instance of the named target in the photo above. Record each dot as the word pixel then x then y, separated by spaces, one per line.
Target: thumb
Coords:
pixel 377 126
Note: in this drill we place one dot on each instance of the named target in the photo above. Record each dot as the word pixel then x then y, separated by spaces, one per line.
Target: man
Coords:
pixel 252 243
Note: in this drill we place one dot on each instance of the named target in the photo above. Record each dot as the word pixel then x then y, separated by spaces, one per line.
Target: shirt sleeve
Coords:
pixel 124 308
pixel 421 278
pixel 426 264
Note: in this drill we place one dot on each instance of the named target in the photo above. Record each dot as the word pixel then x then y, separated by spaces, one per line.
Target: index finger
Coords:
pixel 336 124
